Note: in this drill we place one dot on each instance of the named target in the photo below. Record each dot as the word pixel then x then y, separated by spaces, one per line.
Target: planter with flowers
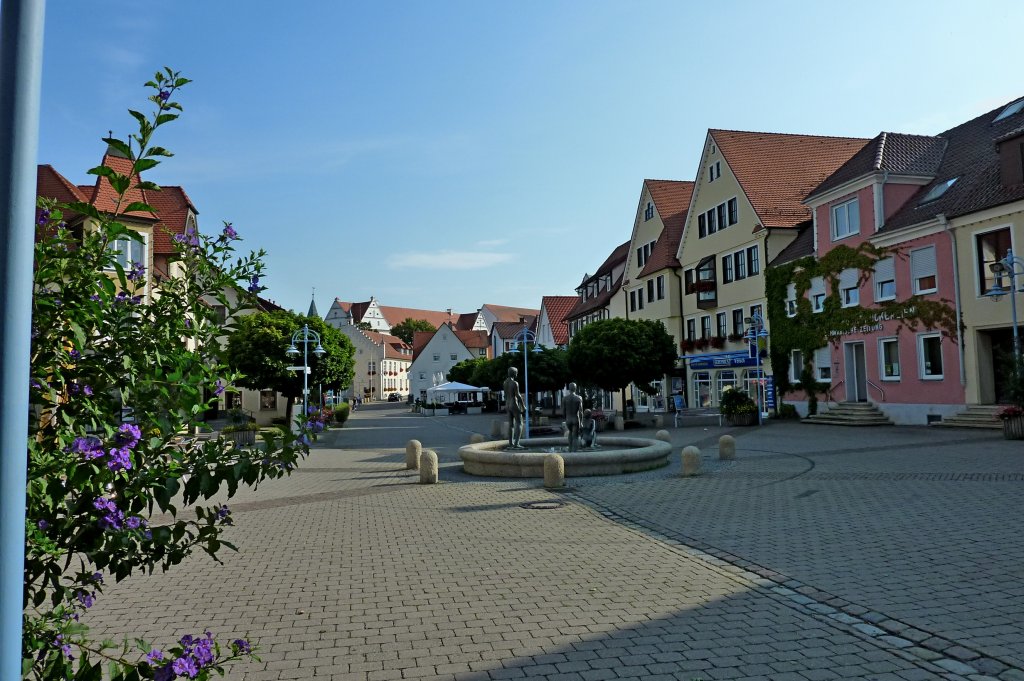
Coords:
pixel 1013 422
pixel 738 408
pixel 1012 416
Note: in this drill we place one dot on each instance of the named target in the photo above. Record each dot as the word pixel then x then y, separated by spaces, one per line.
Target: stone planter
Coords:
pixel 241 438
pixel 434 412
pixel 474 410
pixel 747 419
pixel 1013 428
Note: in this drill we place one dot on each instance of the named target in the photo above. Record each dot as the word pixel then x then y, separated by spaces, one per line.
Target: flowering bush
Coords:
pixel 103 494
pixel 1011 412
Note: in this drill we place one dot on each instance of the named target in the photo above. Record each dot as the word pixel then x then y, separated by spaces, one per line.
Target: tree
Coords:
pixel 612 353
pixel 468 371
pixel 549 369
pixel 408 327
pixel 256 349
pixel 364 326
pixel 105 334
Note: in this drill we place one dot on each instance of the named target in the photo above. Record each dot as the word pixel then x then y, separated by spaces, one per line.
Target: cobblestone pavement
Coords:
pixel 821 553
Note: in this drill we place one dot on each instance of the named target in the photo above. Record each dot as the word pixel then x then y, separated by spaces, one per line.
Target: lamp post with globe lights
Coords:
pixel 305 335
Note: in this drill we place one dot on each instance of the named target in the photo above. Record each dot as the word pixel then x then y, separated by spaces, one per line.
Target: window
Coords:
pixel 706 290
pixel 718 218
pixel 722 320
pixel 889 352
pixel 726 380
pixel 705 326
pixel 737 321
pixel 845 220
pixel 702 388
pixel 722 219
pixel 823 365
pixel 712 216
pixel 129 251
pixel 649 211
pixel 688 282
pixel 733 208
pixel 817 294
pixel 691 329
pixel 937 191
pixel 726 269
pixel 1010 110
pixel 454 357
pixel 423 375
pixel 632 301
pixel 643 254
pixel 714 171
pixel 885 279
pixel 483 352
pixel 437 357
pixel 791 300
pixel 796 365
pixel 268 400
pixel 702 226
pixel 661 286
pixel 650 290
pixel 929 349
pixel 990 247
pixel 740 265
pixel 849 293
pixel 753 266
pixel 755 311
pixel 923 270
pixel 640 298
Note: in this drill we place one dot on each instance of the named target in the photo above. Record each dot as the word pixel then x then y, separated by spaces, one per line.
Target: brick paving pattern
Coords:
pixel 821 553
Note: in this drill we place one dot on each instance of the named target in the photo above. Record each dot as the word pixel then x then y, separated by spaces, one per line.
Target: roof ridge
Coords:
pixel 880 154
pixel 788 134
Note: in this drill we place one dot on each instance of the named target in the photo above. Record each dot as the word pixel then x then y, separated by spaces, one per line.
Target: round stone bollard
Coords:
pixel 619 423
pixel 554 471
pixel 413 449
pixel 727 448
pixel 428 468
pixel 476 438
pixel 691 461
pixel 663 435
pixel 496 427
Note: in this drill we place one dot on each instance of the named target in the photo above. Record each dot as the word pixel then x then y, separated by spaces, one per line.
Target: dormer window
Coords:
pixel 649 211
pixel 937 191
pixel 1010 110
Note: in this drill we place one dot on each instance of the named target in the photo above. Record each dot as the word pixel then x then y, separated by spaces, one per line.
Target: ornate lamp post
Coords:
pixel 525 337
pixel 1008 266
pixel 305 335
pixel 755 332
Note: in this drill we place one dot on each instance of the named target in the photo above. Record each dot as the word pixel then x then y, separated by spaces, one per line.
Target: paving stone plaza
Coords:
pixel 821 552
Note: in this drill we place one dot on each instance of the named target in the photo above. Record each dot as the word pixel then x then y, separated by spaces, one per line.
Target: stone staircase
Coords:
pixel 976 416
pixel 850 414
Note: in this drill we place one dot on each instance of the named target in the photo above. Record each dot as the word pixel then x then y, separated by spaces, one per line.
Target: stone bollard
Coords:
pixel 663 436
pixel 476 438
pixel 496 427
pixel 659 421
pixel 727 448
pixel 691 461
pixel 554 471
pixel 413 448
pixel 619 423
pixel 428 468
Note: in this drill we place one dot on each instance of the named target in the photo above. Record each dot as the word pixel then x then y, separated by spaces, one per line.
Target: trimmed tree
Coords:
pixel 612 353
pixel 408 327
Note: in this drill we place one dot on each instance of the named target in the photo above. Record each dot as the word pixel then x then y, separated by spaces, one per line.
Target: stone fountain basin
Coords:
pixel 615 456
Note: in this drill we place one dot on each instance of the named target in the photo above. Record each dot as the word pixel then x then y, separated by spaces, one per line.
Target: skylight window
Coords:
pixel 1010 110
pixel 937 191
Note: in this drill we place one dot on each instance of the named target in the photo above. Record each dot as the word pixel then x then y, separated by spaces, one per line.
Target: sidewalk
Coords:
pixel 350 570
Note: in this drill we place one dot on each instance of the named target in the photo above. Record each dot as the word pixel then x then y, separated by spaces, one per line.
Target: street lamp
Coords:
pixel 1008 266
pixel 525 336
pixel 754 334
pixel 305 335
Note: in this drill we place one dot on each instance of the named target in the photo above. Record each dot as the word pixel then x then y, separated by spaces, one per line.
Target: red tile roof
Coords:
pixel 511 314
pixel 53 185
pixel 420 340
pixel 558 307
pixel 776 171
pixel 393 345
pixel 473 340
pixel 672 199
pixel 397 315
pixel 615 259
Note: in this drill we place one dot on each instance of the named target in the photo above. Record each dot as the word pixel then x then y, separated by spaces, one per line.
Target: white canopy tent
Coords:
pixel 448 392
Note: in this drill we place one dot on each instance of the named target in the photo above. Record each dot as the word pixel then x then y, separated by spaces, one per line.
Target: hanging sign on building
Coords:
pixel 722 361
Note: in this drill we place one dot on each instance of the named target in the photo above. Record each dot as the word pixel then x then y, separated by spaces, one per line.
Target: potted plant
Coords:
pixel 702 343
pixel 1013 422
pixel 1012 416
pixel 718 342
pixel 737 408
pixel 687 345
pixel 242 434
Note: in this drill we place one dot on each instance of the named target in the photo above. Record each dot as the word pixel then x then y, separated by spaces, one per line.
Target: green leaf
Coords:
pixel 144 164
pixel 119 145
pixel 165 118
pixel 139 206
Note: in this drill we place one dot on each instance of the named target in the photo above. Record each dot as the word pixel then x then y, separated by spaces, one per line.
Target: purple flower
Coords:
pixel 218 387
pixel 119 459
pixel 164 95
pixel 74 354
pixel 229 231
pixel 44 217
pixel 94 298
pixel 101 504
pixel 241 646
pixel 42 524
pixel 85 598
pixel 136 300
pixel 138 271
pixel 35 384
pixel 189 238
pixel 164 673
pixel 185 666
pixel 223 512
pixel 188 323
pixel 97 577
pixel 128 435
pixel 87 390
pixel 121 297
pixel 203 652
pixel 133 522
pixel 148 534
pixel 154 656
pixel 254 285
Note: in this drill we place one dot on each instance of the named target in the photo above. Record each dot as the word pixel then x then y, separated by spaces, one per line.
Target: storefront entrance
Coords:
pixel 856 372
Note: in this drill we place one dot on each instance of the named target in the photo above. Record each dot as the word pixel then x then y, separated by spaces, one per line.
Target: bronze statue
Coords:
pixel 516 408
pixel 573 405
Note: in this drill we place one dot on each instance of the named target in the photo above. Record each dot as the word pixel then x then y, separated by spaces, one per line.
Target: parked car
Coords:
pixel 395 397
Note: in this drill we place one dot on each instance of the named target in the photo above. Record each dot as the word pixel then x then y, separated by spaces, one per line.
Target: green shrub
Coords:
pixel 238 427
pixel 341 413
pixel 736 402
pixel 788 411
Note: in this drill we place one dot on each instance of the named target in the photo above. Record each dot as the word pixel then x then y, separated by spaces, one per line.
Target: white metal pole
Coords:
pixel 526 383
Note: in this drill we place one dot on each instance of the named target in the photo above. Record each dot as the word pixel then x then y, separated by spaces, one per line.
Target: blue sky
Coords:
pixel 450 154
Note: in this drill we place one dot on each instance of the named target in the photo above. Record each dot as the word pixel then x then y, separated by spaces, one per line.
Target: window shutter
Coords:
pixel 885 270
pixel 848 278
pixel 817 286
pixel 822 357
pixel 791 292
pixel 922 263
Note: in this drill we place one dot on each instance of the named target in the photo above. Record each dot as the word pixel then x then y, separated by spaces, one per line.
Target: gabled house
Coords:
pixel 596 295
pixel 552 329
pixel 745 209
pixel 651 286
pixel 501 313
pixel 947 207
pixel 382 363
pixel 502 338
pixel 382 317
pixel 436 352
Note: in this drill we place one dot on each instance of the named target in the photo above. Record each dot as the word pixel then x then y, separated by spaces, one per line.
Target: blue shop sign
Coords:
pixel 722 361
pixel 769 396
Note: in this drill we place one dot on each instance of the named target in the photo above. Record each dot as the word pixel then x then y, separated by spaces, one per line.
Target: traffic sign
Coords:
pixel 308 370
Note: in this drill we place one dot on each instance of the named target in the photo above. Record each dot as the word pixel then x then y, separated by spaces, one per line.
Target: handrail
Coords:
pixel 876 387
pixel 828 393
